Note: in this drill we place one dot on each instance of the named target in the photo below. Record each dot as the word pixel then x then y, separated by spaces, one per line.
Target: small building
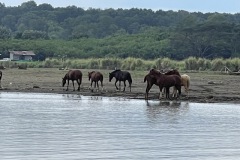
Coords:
pixel 21 55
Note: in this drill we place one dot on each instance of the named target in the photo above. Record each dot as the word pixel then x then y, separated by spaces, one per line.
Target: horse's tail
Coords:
pixel 130 79
pixel 188 82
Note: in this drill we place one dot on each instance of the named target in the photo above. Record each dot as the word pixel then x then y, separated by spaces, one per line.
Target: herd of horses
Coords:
pixel 172 78
pixel 164 81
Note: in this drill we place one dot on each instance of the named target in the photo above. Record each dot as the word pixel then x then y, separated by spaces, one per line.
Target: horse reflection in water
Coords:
pixel 95 77
pixel 166 110
pixel 121 76
pixel 73 75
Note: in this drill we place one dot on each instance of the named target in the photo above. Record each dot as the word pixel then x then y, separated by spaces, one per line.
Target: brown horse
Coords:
pixel 185 79
pixel 0 78
pixel 151 80
pixel 72 75
pixel 95 77
pixel 166 81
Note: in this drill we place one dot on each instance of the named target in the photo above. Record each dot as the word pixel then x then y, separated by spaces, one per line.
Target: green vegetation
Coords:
pixel 73 32
pixel 191 63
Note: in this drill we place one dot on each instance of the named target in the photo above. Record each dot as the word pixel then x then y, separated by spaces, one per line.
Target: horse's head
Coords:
pixel 154 71
pixel 111 75
pixel 89 75
pixel 63 81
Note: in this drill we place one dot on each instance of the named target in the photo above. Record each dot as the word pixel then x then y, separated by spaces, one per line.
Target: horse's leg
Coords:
pixel 119 85
pixel 179 90
pixel 97 86
pixel 124 82
pixel 160 94
pixel 149 86
pixel 94 84
pixel 73 85
pixel 91 84
pixel 167 92
pixel 102 84
pixel 116 84
pixel 67 85
pixel 130 86
pixel 78 82
pixel 174 92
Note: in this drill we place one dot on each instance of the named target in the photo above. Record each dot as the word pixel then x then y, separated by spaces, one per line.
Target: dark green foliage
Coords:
pixel 140 33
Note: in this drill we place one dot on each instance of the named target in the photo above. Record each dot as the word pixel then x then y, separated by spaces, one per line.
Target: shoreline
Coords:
pixel 205 87
pixel 130 95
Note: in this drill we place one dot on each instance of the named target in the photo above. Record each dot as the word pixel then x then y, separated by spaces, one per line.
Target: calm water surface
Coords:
pixel 52 126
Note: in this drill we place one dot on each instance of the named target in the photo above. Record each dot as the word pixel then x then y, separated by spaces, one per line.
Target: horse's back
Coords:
pixel 74 74
pixel 97 76
pixel 172 79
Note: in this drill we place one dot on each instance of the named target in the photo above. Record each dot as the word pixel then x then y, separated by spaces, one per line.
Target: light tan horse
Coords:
pixel 186 82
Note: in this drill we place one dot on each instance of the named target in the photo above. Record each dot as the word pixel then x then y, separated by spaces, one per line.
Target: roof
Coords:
pixel 27 53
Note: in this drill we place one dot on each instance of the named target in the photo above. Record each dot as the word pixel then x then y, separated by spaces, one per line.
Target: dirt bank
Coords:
pixel 205 87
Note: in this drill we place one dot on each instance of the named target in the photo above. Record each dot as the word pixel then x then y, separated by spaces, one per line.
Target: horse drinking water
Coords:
pixel 121 76
pixel 72 75
pixel 95 77
pixel 166 81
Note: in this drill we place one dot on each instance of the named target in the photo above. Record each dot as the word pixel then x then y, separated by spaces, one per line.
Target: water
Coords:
pixel 53 127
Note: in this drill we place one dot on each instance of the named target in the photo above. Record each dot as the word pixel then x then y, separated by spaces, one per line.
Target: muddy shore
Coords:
pixel 206 87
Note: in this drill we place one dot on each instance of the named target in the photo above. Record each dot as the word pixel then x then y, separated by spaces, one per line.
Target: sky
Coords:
pixel 204 6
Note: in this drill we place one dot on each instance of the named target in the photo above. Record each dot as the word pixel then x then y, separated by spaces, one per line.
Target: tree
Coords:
pixel 5 33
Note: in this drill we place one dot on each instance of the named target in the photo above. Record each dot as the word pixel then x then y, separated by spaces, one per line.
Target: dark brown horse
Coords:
pixel 185 79
pixel 166 81
pixel 121 76
pixel 72 75
pixel 0 78
pixel 151 80
pixel 95 77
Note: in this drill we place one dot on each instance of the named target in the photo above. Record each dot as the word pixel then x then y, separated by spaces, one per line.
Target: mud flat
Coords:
pixel 206 87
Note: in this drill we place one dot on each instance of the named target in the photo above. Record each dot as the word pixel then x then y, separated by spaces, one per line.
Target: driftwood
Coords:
pixel 228 71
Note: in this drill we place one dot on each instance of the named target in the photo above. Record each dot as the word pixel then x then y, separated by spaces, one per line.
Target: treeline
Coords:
pixel 94 33
pixel 191 63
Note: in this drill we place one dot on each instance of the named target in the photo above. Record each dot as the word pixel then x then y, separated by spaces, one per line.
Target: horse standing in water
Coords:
pixel 185 79
pixel 95 77
pixel 166 81
pixel 0 78
pixel 72 75
pixel 121 76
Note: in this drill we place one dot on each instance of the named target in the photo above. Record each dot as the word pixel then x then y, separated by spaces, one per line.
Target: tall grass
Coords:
pixel 191 63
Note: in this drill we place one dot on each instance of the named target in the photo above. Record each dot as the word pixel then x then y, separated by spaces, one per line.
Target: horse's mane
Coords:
pixel 91 72
pixel 116 70
pixel 154 71
pixel 171 72
pixel 67 74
